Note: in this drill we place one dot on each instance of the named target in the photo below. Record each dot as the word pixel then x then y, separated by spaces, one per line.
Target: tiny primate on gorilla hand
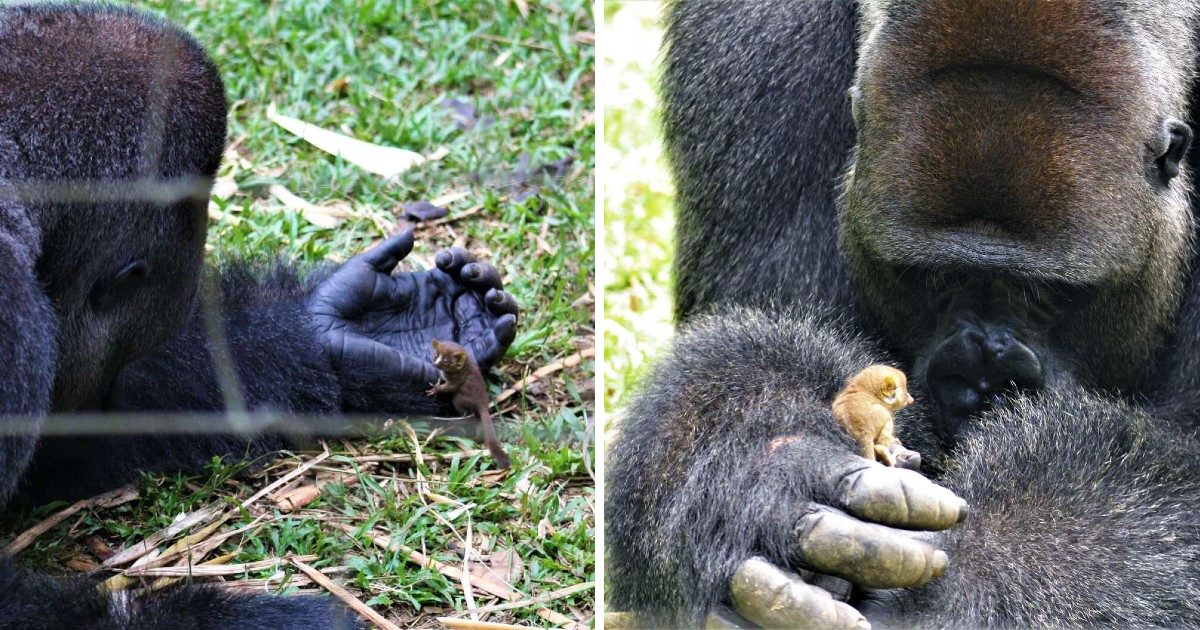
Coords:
pixel 864 408
pixel 462 379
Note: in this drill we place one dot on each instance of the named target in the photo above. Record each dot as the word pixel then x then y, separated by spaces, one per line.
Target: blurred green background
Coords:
pixel 638 223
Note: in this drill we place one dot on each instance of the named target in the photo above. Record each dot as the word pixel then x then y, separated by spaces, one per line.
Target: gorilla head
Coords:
pixel 116 304
pixel 115 182
pixel 1016 210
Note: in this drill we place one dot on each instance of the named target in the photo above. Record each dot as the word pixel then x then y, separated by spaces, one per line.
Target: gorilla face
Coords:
pixel 120 288
pixel 1015 214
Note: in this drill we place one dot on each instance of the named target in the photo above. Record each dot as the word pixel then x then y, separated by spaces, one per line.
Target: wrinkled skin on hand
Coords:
pixel 858 542
pixel 370 321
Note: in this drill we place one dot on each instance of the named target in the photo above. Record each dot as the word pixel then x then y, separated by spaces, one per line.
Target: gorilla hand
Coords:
pixel 854 541
pixel 372 322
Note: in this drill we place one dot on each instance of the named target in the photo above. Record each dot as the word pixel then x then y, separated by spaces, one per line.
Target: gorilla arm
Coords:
pixel 27 342
pixel 29 600
pixel 1081 506
pixel 1082 514
pixel 757 130
pixel 351 341
pixel 354 340
pixel 693 493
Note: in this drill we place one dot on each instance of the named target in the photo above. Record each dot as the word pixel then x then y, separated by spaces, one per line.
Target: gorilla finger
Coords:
pixel 906 458
pixel 481 276
pixel 489 347
pixel 774 598
pixel 505 330
pixel 452 260
pixel 501 303
pixel 900 498
pixel 385 256
pixel 865 553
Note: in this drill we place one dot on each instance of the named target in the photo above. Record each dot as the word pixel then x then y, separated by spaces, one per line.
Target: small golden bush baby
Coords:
pixel 864 408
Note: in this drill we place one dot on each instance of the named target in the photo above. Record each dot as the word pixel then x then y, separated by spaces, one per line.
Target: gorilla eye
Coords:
pixel 1178 138
pixel 121 284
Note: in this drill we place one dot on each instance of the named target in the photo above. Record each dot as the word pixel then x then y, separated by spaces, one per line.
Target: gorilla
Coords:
pixel 993 196
pixel 112 127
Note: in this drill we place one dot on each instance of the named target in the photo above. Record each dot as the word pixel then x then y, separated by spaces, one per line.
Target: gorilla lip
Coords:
pixel 967 249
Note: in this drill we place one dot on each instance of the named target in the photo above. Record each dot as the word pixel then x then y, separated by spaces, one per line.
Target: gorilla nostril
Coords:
pixel 976 366
pixel 1178 138
pixel 998 345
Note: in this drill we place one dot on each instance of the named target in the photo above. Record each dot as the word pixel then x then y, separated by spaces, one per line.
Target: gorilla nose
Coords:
pixel 976 366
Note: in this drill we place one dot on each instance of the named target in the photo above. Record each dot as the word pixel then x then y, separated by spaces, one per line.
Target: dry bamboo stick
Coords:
pixel 137 550
pixel 108 499
pixel 540 599
pixel 408 459
pixel 211 570
pixel 203 547
pixel 300 470
pixel 347 597
pixel 180 545
pixel 385 542
pixel 471 624
pixel 547 370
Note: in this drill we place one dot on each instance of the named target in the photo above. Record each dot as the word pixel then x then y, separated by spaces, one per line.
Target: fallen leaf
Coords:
pixel 545 529
pixel 507 564
pixel 385 161
pixel 326 217
pixel 82 564
pixel 225 187
pixel 98 547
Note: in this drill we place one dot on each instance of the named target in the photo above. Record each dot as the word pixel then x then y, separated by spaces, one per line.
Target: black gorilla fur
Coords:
pixel 1082 471
pixel 112 127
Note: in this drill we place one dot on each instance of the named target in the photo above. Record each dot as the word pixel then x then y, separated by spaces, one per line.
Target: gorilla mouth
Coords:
pixel 986 248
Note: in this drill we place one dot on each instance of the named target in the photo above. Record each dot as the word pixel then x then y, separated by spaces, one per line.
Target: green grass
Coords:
pixel 638 222
pixel 400 60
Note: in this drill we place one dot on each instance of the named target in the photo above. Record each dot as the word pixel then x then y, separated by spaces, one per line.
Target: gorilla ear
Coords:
pixel 1178 137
